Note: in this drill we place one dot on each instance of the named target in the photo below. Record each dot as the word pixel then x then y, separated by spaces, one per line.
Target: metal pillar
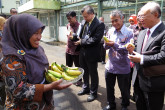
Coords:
pixel 161 9
pixel 1 5
pixel 56 25
pixel 99 9
pixel 136 7
pixel 116 4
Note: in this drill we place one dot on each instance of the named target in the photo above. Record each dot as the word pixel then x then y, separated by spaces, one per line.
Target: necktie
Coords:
pixel 85 30
pixel 145 39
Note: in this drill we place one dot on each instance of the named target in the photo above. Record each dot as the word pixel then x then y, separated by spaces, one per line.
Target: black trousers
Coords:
pixel 130 80
pixel 123 82
pixel 102 52
pixel 90 69
pixel 70 59
pixel 148 100
pixel 139 96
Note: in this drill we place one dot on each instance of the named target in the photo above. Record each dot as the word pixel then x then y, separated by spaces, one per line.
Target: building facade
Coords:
pixel 52 13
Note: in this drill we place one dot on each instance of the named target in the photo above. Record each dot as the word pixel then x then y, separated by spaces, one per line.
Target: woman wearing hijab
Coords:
pixel 2 22
pixel 2 86
pixel 23 65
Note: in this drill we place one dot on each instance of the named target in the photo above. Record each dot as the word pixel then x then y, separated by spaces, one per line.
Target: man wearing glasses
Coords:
pixel 151 41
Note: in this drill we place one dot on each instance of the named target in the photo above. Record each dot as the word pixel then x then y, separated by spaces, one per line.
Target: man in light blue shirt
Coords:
pixel 118 65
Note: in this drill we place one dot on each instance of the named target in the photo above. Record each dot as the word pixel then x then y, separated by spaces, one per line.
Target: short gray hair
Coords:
pixel 117 12
pixel 153 7
pixel 88 9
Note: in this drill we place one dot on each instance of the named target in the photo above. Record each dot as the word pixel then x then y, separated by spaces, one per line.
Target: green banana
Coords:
pixel 73 72
pixel 48 78
pixel 52 77
pixel 66 77
pixel 55 74
pixel 55 68
pixel 70 72
pixel 58 66
pixel 106 39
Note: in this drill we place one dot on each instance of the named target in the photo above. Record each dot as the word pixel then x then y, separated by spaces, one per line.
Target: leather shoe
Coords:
pixel 108 107
pixel 124 108
pixel 91 97
pixel 83 92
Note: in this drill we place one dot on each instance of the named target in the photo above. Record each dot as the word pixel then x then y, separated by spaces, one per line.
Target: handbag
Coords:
pixel 156 70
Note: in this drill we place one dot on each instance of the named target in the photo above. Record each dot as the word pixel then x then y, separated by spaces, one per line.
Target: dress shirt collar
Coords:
pixel 153 28
pixel 122 30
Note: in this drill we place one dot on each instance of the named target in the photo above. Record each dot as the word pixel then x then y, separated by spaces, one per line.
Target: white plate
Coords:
pixel 75 79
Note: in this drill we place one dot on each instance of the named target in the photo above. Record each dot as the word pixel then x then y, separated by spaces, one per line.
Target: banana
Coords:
pixel 73 72
pixel 106 39
pixel 73 68
pixel 55 74
pixel 66 77
pixel 48 78
pixel 58 66
pixel 52 77
pixel 55 68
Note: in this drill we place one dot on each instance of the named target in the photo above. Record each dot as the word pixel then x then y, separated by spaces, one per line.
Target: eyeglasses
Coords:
pixel 143 16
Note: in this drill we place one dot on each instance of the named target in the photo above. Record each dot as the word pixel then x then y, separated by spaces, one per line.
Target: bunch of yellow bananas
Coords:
pixel 61 71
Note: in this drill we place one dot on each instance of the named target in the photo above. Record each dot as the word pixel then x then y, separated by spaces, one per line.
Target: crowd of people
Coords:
pixel 23 61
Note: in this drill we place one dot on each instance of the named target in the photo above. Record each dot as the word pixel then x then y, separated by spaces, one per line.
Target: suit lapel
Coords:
pixel 91 25
pixel 153 36
pixel 141 39
pixel 82 28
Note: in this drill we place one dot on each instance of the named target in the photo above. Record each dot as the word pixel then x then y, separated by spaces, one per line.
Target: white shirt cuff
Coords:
pixel 142 58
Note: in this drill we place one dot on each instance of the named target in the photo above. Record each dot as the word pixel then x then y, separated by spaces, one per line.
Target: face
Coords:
pixel 117 22
pixel 101 19
pixel 71 19
pixel 13 12
pixel 36 37
pixel 87 17
pixel 147 18
pixel 131 22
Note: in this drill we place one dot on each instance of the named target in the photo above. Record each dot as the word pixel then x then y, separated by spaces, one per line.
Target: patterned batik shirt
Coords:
pixel 20 95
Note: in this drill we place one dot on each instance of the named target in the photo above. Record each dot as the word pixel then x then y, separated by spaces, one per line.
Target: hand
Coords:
pixel 77 42
pixel 110 43
pixel 69 34
pixel 130 47
pixel 135 57
pixel 56 85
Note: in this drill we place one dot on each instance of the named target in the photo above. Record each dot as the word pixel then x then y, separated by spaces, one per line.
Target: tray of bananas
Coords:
pixel 68 74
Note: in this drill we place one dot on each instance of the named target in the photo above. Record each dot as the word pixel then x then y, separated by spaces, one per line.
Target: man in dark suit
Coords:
pixel 151 39
pixel 91 33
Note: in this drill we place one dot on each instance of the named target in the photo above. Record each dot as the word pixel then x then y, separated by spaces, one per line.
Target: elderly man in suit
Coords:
pixel 90 36
pixel 151 41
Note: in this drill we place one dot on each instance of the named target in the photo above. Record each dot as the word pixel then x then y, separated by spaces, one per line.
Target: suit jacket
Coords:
pixel 157 39
pixel 90 46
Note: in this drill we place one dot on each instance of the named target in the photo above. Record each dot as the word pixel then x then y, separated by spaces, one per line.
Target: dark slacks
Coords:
pixel 70 59
pixel 102 52
pixel 123 82
pixel 148 100
pixel 139 96
pixel 154 100
pixel 90 69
